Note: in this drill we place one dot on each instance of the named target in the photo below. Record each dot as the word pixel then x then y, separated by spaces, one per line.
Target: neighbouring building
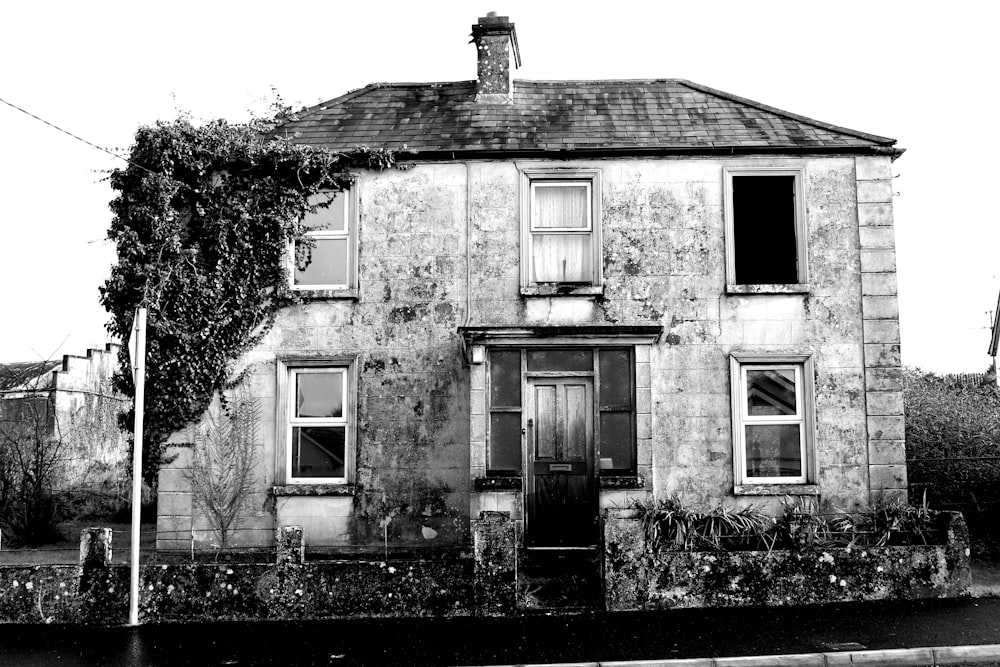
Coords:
pixel 581 294
pixel 70 409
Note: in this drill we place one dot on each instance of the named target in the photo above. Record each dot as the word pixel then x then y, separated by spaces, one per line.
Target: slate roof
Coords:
pixel 18 374
pixel 631 116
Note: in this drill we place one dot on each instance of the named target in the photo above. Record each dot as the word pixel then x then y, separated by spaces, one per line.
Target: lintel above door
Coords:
pixel 558 335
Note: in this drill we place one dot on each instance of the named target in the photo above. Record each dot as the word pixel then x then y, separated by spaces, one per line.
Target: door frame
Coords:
pixel 501 488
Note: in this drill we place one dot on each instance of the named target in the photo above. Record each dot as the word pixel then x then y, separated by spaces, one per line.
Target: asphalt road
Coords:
pixel 689 633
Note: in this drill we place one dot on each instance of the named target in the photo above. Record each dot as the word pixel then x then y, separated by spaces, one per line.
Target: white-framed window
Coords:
pixel 560 227
pixel 766 239
pixel 329 261
pixel 773 419
pixel 316 418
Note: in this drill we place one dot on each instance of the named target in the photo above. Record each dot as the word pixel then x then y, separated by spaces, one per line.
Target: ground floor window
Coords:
pixel 772 397
pixel 316 399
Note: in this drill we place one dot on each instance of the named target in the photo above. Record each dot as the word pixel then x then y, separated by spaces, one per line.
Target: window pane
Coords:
pixel 617 448
pixel 505 441
pixel 505 378
pixel 561 258
pixel 333 217
pixel 616 379
pixel 323 264
pixel 577 409
pixel 771 392
pixel 764 230
pixel 318 451
pixel 546 424
pixel 772 450
pixel 560 360
pixel 319 394
pixel 560 206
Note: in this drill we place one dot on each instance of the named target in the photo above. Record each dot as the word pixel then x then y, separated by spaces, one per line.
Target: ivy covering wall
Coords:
pixel 203 218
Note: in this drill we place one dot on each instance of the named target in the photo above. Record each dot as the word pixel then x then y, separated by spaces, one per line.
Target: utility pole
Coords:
pixel 137 353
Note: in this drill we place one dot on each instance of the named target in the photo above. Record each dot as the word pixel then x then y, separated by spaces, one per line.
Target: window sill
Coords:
pixel 498 483
pixel 317 294
pixel 312 490
pixel 798 288
pixel 562 289
pixel 515 483
pixel 776 490
pixel 623 482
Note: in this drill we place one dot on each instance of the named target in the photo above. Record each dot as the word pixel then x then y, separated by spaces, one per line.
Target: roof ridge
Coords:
pixel 411 84
pixel 357 92
pixel 416 84
pixel 668 80
pixel 887 141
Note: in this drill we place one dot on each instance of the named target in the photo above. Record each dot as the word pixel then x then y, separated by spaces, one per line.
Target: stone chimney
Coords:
pixel 495 39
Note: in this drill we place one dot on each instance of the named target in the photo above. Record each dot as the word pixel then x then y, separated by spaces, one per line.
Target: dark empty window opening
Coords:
pixel 764 229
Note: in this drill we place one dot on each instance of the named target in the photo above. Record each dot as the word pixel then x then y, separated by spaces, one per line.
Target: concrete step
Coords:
pixel 556 579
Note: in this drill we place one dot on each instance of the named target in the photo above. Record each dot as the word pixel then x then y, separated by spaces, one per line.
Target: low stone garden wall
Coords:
pixel 637 576
pixel 96 592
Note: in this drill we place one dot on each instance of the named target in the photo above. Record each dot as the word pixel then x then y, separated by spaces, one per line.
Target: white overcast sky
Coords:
pixel 921 72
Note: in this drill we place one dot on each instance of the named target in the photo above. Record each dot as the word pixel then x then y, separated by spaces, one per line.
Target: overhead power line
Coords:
pixel 78 138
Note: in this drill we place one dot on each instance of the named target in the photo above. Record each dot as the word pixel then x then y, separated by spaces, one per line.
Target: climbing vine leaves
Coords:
pixel 203 218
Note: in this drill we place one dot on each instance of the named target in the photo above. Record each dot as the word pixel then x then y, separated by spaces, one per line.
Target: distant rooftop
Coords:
pixel 18 374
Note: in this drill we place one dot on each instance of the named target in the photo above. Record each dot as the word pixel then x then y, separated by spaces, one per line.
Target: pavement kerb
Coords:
pixel 915 657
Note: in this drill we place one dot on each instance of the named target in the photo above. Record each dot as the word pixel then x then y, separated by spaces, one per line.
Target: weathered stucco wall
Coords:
pixel 664 263
pixel 410 481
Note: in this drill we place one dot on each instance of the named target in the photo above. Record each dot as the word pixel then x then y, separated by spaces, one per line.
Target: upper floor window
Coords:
pixel 328 262
pixel 561 236
pixel 766 244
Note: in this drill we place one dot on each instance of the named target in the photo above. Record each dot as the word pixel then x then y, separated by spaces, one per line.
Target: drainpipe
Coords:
pixel 468 254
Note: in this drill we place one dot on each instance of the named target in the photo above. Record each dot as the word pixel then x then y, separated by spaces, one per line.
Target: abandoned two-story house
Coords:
pixel 580 294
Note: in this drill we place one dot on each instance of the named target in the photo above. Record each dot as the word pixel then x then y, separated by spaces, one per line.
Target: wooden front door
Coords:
pixel 561 502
